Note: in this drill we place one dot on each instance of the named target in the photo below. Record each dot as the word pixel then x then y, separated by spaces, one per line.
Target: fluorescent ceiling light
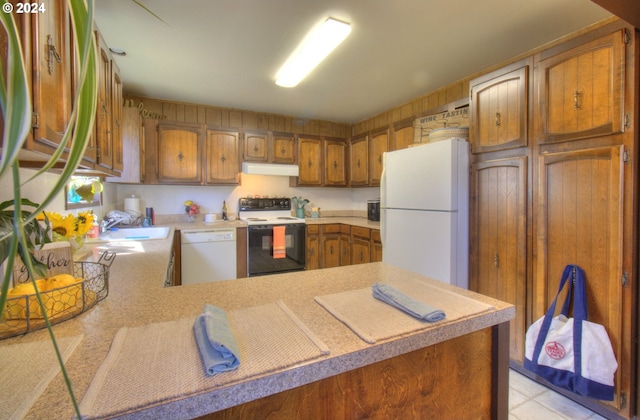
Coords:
pixel 316 46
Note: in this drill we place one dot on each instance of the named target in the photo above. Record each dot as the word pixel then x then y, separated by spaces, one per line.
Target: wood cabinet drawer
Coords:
pixel 331 228
pixel 361 232
pixel 313 229
pixel 346 229
pixel 375 235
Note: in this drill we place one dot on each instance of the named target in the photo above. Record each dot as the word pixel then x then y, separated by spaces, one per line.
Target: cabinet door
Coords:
pixel 499 237
pixel 313 248
pixel 360 251
pixel 404 135
pixel 330 250
pixel 310 161
pixel 335 163
pixel 178 154
pixel 358 161
pixel 499 110
pixel 52 66
pixel 222 151
pixel 345 248
pixel 580 90
pixel 256 147
pixel 376 246
pixel 103 111
pixel 283 149
pixel 116 117
pixel 580 221
pixel 379 145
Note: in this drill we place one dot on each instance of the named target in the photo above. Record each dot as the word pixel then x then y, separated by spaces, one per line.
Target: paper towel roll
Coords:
pixel 132 204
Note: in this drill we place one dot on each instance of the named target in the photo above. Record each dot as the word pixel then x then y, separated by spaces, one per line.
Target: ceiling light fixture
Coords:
pixel 316 46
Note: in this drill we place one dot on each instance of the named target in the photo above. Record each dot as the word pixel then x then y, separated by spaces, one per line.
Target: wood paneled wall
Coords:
pixel 235 118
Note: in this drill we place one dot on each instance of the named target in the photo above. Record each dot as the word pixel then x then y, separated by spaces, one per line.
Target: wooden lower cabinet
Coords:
pixel 331 246
pixel 313 247
pixel 462 378
pixel 338 244
pixel 580 220
pixel 376 246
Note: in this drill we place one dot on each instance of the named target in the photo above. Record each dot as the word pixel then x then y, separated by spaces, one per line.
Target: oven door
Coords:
pixel 260 258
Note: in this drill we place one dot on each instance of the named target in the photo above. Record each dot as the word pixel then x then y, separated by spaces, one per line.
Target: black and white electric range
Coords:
pixel 261 216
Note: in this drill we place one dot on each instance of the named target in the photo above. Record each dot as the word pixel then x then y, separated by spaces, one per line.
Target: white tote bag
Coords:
pixel 572 353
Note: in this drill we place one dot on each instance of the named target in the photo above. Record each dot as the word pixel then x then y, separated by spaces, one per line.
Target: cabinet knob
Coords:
pixel 310 163
pixel 180 156
pixel 222 159
pixel 282 151
pixel 496 260
pixel 255 148
pixel 358 163
pixel 335 165
pixel 498 122
pixel 331 250
pixel 576 97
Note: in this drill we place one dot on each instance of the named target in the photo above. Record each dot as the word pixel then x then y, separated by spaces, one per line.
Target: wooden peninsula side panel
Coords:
pixel 465 377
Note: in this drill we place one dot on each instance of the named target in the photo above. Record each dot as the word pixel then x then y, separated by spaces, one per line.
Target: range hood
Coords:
pixel 269 169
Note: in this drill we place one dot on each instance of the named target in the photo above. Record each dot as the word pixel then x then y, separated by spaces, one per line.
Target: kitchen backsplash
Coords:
pixel 169 199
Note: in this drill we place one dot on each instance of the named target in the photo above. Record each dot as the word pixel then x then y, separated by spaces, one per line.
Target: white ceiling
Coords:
pixel 226 52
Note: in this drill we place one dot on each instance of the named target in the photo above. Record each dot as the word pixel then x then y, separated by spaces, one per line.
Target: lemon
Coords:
pixel 16 303
pixel 188 203
pixel 60 280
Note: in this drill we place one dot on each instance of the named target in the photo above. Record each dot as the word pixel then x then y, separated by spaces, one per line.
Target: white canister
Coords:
pixel 209 217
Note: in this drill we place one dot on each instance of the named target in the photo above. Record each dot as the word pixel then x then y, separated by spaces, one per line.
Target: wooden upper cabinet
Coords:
pixel 283 148
pixel 379 145
pixel 116 118
pixel 51 78
pixel 403 134
pixel 581 90
pixel 499 110
pixel 310 161
pixel 222 156
pixel 103 110
pixel 179 147
pixel 335 163
pixel 358 160
pixel 256 147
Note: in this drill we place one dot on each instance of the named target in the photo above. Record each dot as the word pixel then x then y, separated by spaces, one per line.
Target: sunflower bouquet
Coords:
pixel 69 227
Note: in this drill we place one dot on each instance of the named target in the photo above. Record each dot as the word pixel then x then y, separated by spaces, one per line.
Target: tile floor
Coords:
pixel 528 400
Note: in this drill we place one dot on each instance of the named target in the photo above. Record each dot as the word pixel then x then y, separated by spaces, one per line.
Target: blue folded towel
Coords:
pixel 415 308
pixel 215 340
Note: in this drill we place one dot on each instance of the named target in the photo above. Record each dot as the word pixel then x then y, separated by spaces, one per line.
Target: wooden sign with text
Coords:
pixel 56 255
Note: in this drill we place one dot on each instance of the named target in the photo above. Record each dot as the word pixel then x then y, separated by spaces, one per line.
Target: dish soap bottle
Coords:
pixel 224 211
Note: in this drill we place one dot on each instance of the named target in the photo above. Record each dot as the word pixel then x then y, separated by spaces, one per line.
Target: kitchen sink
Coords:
pixel 132 234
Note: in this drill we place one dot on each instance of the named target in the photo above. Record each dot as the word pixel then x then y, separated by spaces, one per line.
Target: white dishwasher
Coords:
pixel 208 255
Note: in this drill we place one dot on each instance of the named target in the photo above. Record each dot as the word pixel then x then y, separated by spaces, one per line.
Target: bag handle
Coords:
pixel 574 275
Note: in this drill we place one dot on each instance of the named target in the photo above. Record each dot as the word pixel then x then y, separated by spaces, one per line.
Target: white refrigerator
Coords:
pixel 424 201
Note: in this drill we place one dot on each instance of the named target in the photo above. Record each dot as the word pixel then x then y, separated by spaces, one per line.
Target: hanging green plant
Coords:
pixel 19 229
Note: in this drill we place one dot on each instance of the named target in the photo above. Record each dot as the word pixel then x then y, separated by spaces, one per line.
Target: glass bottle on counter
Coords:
pixel 224 211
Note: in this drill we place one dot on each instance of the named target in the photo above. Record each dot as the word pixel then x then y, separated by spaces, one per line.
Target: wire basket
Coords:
pixel 23 314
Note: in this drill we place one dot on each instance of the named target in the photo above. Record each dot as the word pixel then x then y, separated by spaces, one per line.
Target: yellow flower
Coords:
pixel 69 226
pixel 84 222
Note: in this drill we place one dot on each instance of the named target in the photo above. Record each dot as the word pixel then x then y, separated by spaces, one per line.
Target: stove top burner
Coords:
pixel 267 211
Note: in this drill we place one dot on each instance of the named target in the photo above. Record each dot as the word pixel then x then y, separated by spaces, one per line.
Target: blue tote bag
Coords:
pixel 572 353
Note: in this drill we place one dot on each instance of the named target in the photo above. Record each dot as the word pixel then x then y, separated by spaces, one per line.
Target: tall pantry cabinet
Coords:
pixel 554 182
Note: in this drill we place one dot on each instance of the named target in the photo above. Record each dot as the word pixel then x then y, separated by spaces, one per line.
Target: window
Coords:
pixel 83 191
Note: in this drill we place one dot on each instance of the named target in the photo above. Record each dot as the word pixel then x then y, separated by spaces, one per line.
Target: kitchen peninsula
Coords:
pixel 458 369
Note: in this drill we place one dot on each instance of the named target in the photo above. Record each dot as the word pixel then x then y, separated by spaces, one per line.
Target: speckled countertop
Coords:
pixel 136 297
